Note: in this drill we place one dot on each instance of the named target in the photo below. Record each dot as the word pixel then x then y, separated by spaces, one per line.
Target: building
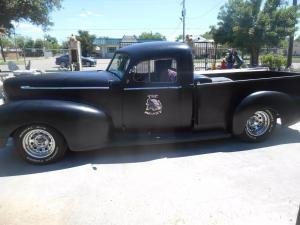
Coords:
pixel 128 40
pixel 105 47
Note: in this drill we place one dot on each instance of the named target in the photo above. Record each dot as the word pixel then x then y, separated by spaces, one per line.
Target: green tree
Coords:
pixel 86 41
pixel 179 38
pixel 52 43
pixel 39 44
pixel 151 36
pixel 20 41
pixel 249 25
pixel 36 12
pixel 65 45
pixel 39 47
pixel 29 43
pixel 207 35
pixel 28 46
pixel 4 43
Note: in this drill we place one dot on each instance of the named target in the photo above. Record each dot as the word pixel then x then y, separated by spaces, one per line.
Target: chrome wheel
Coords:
pixel 38 143
pixel 258 124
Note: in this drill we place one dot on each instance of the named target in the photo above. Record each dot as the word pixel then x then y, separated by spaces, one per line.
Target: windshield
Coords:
pixel 119 65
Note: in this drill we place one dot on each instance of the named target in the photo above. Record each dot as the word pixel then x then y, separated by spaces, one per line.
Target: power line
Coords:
pixel 207 12
pixel 117 29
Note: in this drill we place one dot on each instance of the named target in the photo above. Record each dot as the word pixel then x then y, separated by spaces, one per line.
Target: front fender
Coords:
pixel 281 103
pixel 83 126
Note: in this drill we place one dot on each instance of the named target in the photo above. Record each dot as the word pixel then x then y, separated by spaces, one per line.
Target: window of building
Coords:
pixel 111 49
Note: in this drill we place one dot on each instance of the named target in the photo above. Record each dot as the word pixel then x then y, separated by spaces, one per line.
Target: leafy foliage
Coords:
pixel 207 35
pixel 87 42
pixel 179 38
pixel 151 36
pixel 34 11
pixel 273 61
pixel 249 25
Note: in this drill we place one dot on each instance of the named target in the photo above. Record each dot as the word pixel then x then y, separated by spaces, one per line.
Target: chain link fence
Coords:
pixel 41 59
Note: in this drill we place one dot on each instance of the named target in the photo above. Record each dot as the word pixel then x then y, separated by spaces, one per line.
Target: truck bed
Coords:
pixel 241 74
pixel 221 92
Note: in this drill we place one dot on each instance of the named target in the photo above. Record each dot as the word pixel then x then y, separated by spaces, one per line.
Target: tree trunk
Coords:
pixel 291 44
pixel 2 50
pixel 254 56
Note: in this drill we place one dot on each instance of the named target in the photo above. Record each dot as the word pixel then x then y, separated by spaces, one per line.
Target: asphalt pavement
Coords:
pixel 216 182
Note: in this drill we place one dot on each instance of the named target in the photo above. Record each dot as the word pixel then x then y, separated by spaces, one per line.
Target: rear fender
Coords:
pixel 280 103
pixel 83 126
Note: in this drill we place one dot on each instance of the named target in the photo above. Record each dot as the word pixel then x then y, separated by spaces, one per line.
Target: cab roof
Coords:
pixel 155 49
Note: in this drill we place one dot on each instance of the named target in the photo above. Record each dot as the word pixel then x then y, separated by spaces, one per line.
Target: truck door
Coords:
pixel 153 97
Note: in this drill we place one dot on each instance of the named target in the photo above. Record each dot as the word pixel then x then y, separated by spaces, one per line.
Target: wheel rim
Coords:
pixel 258 124
pixel 38 143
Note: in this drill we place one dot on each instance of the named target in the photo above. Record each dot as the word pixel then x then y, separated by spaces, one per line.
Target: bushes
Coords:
pixel 273 61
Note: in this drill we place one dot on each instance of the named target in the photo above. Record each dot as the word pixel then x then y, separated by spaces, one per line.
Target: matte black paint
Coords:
pixel 97 109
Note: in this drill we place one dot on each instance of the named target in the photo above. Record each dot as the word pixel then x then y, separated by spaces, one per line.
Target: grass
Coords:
pixel 15 61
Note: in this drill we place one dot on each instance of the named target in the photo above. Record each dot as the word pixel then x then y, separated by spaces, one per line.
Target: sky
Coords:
pixel 115 18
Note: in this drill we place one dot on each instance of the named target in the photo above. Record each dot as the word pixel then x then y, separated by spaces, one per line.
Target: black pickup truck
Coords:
pixel 148 94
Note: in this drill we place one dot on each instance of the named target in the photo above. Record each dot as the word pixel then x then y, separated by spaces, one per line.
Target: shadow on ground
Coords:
pixel 12 165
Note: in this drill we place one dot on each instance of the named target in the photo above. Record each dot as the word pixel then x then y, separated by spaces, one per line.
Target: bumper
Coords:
pixel 3 142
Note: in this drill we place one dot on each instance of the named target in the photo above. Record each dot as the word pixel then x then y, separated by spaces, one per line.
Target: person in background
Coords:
pixel 223 64
pixel 230 59
pixel 238 59
pixel 189 41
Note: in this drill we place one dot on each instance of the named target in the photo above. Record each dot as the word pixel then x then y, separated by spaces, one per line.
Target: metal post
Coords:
pixel 291 44
pixel 15 43
pixel 183 19
pixel 206 55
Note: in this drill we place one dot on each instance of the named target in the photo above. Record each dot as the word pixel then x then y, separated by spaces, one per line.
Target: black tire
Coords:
pixel 40 144
pixel 258 135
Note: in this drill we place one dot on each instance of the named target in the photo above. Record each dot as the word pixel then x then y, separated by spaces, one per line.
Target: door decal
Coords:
pixel 153 105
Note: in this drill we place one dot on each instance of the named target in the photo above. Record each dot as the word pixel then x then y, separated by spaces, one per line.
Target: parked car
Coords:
pixel 63 61
pixel 149 94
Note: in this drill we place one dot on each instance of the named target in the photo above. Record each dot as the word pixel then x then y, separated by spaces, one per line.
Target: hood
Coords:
pixel 64 79
pixel 59 80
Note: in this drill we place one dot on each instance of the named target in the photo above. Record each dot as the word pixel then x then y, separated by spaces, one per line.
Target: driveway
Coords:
pixel 215 182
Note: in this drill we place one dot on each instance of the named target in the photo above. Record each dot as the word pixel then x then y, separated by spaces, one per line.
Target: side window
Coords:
pixel 157 71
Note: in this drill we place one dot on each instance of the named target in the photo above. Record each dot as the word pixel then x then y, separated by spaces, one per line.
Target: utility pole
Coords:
pixel 2 34
pixel 16 47
pixel 291 44
pixel 183 19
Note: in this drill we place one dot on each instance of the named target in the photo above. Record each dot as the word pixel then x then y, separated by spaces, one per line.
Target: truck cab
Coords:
pixel 157 85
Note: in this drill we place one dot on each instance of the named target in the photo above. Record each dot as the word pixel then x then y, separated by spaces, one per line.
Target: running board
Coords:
pixel 165 138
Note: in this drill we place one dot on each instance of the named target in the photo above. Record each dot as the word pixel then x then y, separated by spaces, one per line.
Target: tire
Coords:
pixel 63 65
pixel 40 144
pixel 259 126
pixel 88 64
